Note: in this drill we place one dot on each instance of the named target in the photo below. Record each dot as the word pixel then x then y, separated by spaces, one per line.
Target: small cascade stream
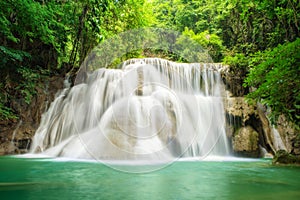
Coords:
pixel 15 131
pixel 148 109
pixel 277 140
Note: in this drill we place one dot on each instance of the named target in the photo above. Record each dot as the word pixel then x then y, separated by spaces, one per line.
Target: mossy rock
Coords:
pixel 283 157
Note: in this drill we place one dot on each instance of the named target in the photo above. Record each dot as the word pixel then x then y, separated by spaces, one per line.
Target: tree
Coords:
pixel 41 37
pixel 274 75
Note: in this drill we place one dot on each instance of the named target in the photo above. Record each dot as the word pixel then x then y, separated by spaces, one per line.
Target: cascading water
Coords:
pixel 277 140
pixel 149 109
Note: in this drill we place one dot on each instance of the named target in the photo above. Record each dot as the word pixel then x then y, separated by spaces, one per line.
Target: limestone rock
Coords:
pixel 283 157
pixel 237 106
pixel 234 80
pixel 238 113
pixel 290 136
pixel 7 148
pixel 29 117
pixel 245 142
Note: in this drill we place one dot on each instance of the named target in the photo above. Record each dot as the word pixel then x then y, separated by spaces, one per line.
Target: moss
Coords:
pixel 283 157
pixel 253 139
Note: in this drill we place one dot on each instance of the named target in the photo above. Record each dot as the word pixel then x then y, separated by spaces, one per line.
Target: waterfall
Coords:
pixel 15 131
pixel 276 140
pixel 147 109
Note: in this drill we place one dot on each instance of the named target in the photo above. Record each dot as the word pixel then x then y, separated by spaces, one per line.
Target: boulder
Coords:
pixel 245 142
pixel 283 157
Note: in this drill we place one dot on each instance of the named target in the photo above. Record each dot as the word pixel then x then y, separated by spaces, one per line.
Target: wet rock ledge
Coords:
pixel 16 135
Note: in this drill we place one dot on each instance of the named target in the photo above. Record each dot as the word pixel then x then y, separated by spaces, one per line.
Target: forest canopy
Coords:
pixel 258 39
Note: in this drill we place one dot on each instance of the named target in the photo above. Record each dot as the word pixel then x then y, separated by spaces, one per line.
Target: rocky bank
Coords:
pixel 16 135
pixel 248 126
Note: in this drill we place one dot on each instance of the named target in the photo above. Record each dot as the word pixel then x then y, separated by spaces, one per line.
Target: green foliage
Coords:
pixel 27 86
pixel 275 75
pixel 209 41
pixel 34 33
pixel 6 113
pixel 250 33
pixel 9 64
pixel 237 62
pixel 246 26
pixel 165 13
pixel 10 56
pixel 257 25
pixel 101 19
pixel 28 19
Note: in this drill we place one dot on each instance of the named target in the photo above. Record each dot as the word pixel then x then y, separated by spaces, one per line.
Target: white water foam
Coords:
pixel 151 109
